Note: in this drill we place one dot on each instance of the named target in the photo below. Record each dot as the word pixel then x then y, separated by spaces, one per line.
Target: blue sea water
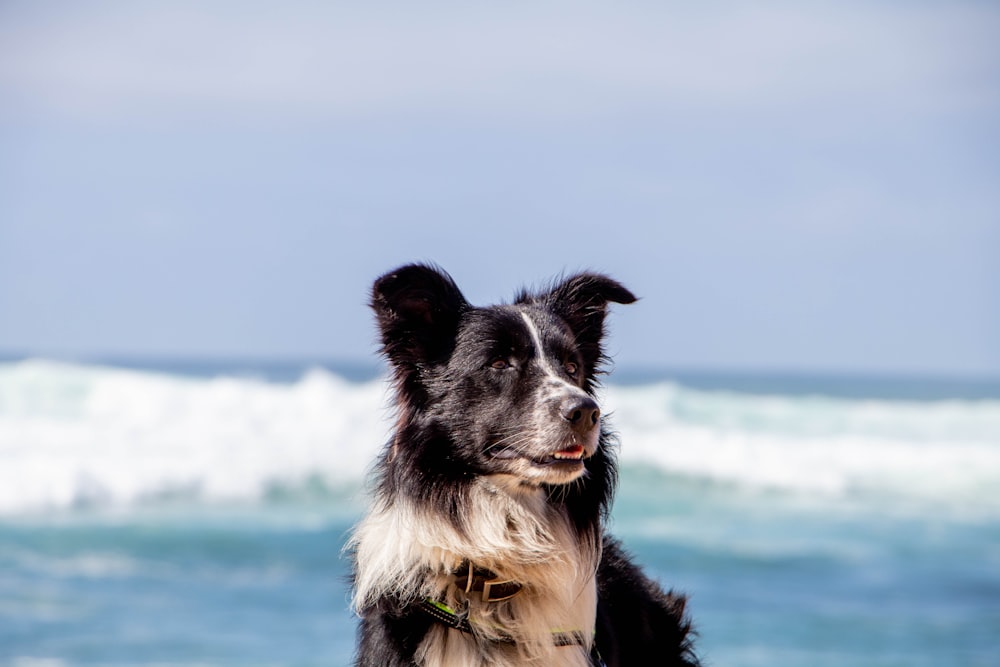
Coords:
pixel 194 514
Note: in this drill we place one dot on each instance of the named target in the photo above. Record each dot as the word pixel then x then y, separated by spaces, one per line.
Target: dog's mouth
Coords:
pixel 571 453
pixel 574 454
pixel 562 464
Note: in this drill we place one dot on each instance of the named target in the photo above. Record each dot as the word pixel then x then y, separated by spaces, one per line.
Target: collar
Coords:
pixel 472 579
pixel 445 615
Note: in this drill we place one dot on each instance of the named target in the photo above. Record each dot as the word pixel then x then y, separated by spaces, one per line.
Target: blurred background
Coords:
pixel 195 198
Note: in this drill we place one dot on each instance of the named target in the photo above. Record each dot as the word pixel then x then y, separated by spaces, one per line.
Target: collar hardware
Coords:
pixel 474 579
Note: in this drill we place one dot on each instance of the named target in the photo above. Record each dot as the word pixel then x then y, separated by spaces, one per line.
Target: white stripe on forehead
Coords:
pixel 543 360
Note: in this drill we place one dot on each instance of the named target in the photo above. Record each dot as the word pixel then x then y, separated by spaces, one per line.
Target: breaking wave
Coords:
pixel 74 435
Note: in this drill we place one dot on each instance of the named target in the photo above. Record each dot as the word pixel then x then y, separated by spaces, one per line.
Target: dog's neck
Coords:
pixel 498 524
pixel 411 553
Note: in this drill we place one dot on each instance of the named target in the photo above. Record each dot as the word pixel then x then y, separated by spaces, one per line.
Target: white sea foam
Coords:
pixel 74 435
pixel 943 451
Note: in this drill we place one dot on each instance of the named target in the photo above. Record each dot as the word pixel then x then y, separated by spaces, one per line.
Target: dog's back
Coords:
pixel 484 543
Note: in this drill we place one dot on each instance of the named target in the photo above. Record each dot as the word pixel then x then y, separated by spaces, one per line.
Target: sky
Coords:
pixel 789 187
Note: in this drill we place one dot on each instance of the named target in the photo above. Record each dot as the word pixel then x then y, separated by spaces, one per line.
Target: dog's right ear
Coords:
pixel 418 308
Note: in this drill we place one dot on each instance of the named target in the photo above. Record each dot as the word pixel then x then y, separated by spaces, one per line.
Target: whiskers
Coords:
pixel 517 443
pixel 530 443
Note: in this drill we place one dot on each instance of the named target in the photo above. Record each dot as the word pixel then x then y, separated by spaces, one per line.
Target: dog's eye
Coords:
pixel 499 364
pixel 571 368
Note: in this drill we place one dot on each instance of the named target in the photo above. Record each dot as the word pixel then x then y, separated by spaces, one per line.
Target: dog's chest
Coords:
pixel 551 627
pixel 403 551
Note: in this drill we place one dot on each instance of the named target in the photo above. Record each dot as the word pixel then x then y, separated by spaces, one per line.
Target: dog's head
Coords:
pixel 509 389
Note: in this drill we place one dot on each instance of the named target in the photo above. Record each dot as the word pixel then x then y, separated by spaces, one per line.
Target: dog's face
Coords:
pixel 517 377
pixel 509 388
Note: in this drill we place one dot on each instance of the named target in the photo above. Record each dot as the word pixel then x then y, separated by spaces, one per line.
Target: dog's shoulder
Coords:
pixel 390 634
pixel 636 620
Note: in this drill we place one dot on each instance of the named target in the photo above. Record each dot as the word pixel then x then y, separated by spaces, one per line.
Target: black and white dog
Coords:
pixel 484 543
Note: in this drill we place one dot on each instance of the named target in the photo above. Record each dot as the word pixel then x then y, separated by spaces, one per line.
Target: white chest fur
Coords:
pixel 412 554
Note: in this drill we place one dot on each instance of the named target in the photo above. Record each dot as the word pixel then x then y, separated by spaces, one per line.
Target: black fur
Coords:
pixel 466 378
pixel 637 623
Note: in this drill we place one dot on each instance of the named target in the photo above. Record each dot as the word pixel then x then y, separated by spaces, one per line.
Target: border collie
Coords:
pixel 484 544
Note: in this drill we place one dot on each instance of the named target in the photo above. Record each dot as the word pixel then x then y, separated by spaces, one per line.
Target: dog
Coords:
pixel 484 542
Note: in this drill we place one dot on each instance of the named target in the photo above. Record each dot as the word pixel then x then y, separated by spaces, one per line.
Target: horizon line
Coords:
pixel 374 364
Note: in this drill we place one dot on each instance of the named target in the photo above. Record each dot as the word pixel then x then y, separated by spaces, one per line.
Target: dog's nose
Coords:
pixel 582 413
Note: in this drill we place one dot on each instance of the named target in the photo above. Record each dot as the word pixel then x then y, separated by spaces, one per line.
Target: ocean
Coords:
pixel 193 515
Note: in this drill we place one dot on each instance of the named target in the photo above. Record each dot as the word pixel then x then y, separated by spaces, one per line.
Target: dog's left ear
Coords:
pixel 418 308
pixel 582 301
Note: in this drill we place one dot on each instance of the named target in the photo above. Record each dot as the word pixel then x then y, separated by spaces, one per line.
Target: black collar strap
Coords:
pixel 445 615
